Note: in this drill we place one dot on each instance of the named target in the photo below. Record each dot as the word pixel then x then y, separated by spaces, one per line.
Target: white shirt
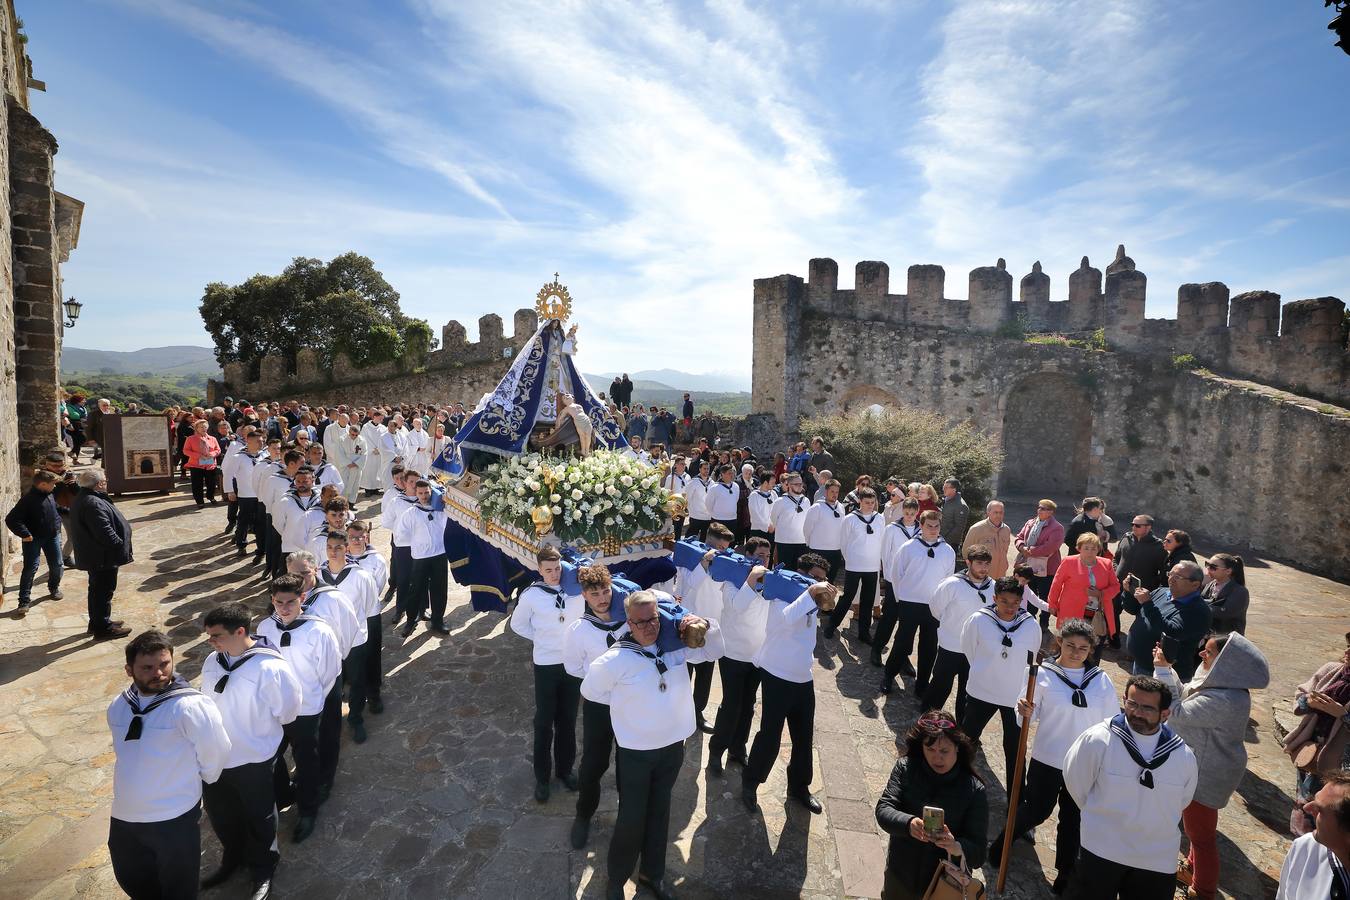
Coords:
pixel 824 526
pixel 393 446
pixel 897 534
pixel 789 639
pixel 537 618
pixel 788 516
pixel 261 695
pixel 676 484
pixel 742 613
pixel 1307 872
pixel 722 497
pixel 761 505
pixel 696 496
pixel 422 530
pixel 1123 821
pixel 862 551
pixel 644 716
pixel 393 505
pixel 272 483
pixel 374 564
pixel 952 603
pixel 327 473
pixel 1058 722
pixel 641 456
pixel 238 473
pixel 312 652
pixel 994 667
pixel 915 575
pixel 358 586
pixel 333 606
pixel 159 775
pixel 294 517
pixel 585 642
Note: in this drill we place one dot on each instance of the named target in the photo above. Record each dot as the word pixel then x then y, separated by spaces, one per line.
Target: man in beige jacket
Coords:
pixel 995 535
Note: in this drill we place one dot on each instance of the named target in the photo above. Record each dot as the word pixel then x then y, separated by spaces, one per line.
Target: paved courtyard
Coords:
pixel 438 803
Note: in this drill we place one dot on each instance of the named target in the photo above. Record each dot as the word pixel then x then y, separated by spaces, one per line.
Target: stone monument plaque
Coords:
pixel 137 453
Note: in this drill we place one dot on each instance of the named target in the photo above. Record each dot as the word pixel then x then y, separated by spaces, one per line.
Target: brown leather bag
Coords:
pixel 954 882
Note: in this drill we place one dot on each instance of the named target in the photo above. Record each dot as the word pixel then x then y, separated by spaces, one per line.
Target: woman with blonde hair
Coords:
pixel 1085 587
pixel 926 495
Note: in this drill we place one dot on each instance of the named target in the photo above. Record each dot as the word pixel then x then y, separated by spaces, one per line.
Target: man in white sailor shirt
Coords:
pixel 677 482
pixel 897 534
pixel 918 567
pixel 703 597
pixel 397 500
pixel 542 616
pixel 997 641
pixel 238 479
pixel 360 553
pixel 325 473
pixel 722 498
pixel 423 528
pixel 696 497
pixel 956 597
pixel 257 693
pixel 311 648
pixel 356 585
pixel 633 450
pixel 168 740
pixel 1318 864
pixel 1071 696
pixel 298 512
pixel 587 639
pixel 273 483
pixel 760 504
pixel 1131 776
pixel 861 538
pixel 653 714
pixel 787 520
pixel 824 528
pixel 335 519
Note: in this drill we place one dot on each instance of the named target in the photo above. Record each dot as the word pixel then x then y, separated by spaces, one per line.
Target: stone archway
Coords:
pixel 1047 436
pixel 858 398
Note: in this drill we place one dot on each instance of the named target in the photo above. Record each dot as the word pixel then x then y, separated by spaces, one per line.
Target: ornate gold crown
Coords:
pixel 553 301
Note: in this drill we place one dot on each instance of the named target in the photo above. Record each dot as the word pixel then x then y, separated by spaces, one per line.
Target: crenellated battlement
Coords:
pixel 1300 347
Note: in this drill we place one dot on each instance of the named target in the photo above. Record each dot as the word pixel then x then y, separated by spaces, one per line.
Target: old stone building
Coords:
pixel 1229 420
pixel 39 227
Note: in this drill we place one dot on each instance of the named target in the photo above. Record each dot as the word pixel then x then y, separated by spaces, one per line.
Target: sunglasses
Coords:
pixel 934 723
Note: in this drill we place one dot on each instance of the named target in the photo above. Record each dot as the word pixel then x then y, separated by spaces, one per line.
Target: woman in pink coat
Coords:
pixel 1085 587
pixel 200 451
pixel 1038 546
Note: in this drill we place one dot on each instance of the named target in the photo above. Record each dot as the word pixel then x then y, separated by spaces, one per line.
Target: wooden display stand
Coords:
pixel 137 453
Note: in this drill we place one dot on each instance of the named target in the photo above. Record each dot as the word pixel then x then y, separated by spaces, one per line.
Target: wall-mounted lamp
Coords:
pixel 73 308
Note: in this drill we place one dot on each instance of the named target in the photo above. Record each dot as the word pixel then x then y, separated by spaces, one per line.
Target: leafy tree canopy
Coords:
pixel 342 306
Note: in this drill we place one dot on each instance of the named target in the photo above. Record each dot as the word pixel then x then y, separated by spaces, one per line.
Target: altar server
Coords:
pixel 257 693
pixel 417 445
pixel 168 740
pixel 1131 776
pixel 861 539
pixel 648 693
pixel 916 570
pixel 349 455
pixel 310 646
pixel 696 496
pixel 787 520
pixel 722 498
pixel 423 529
pixel 393 449
pixel 788 689
pixel 542 616
pixel 897 534
pixel 956 597
pixel 1071 696
pixel 372 469
pixel 358 587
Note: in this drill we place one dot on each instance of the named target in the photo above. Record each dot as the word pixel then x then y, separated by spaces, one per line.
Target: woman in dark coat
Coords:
pixel 1177 543
pixel 1226 593
pixel 938 769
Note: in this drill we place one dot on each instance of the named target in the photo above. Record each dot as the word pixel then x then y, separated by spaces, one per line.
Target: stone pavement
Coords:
pixel 438 803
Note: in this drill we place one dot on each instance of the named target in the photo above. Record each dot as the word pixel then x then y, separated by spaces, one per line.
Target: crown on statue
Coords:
pixel 553 301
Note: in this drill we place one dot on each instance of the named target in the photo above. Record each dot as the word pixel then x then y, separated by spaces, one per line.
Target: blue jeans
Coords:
pixel 32 550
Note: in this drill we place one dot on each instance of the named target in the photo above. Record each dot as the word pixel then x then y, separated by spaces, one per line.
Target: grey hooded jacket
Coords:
pixel 1210 713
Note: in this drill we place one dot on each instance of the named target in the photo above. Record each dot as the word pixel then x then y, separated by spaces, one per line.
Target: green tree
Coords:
pixel 342 306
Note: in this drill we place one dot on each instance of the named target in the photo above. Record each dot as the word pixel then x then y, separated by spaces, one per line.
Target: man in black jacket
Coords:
pixel 102 543
pixel 35 520
pixel 1141 554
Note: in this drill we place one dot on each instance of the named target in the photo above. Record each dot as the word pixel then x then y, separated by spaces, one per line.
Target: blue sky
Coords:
pixel 663 156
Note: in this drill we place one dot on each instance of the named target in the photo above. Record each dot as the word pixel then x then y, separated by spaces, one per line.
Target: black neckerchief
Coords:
pixel 334 580
pixel 931 547
pixel 1340 881
pixel 318 473
pixel 867 522
pixel 559 598
pixel 1089 672
pixel 1167 742
pixel 703 481
pixel 833 509
pixel 661 668
pixel 764 495
pixel 315 592
pixel 177 688
pixel 730 486
pixel 610 628
pixel 431 513
pixel 285 629
pixel 407 499
pixel 909 535
pixel 1022 618
pixel 979 588
pixel 261 647
pixel 796 501
pixel 306 507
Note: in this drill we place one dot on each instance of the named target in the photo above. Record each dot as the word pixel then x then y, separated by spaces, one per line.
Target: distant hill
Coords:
pixel 159 361
pixel 649 393
pixel 682 381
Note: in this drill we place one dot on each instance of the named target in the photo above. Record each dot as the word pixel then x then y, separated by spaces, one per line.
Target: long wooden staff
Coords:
pixel 1015 789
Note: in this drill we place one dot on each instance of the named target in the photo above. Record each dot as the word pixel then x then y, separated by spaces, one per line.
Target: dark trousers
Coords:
pixel 914 618
pixel 400 575
pixel 783 701
pixel 429 585
pixel 102 586
pixel 1095 878
pixel 302 737
pixel 950 666
pixel 597 743
pixel 556 695
pixel 275 562
pixel 698 528
pixel 978 714
pixel 354 675
pixel 835 559
pixel 867 581
pixel 731 729
pixel 33 551
pixel 788 554
pixel 701 675
pixel 642 828
pixel 890 614
pixel 1045 788
pixel 203 484
pixel 231 513
pixel 243 814
pixel 374 658
pixel 330 734
pixel 678 526
pixel 158 860
pixel 1040 586
pixel 249 521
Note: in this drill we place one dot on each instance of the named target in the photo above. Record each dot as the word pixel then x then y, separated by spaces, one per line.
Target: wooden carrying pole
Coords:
pixel 1015 789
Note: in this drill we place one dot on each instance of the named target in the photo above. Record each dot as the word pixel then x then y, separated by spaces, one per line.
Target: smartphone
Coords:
pixel 933 820
pixel 1131 584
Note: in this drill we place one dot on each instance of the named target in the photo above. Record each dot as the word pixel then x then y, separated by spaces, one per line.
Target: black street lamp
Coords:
pixel 73 308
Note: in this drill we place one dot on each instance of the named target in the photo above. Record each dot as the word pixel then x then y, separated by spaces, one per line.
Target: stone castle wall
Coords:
pixel 1245 465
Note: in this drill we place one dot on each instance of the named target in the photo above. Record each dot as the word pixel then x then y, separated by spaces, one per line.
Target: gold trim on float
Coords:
pixel 488 589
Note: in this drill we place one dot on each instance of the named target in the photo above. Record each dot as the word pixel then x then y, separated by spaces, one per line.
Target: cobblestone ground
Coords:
pixel 438 803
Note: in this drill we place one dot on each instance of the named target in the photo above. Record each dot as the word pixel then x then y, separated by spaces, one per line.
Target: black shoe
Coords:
pixel 262 889
pixel 1114 641
pixel 749 798
pixel 359 732
pixel 829 632
pixel 541 791
pixel 887 685
pixel 875 658
pixel 995 854
pixel 737 758
pixel 715 767
pixel 1061 883
pixel 376 705
pixel 56 593
pixel 864 637
pixel 439 628
pixel 807 799
pixel 200 504
pixel 408 629
pixel 325 791
pixel 703 726
pixel 661 890
pixel 303 829
pixel 22 609
pixel 581 829
pixel 240 551
pixel 569 780
pixel 115 631
pixel 219 876
pixel 907 669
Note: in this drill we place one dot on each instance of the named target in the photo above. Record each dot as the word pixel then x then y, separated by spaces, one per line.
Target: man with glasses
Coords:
pixel 1141 554
pixel 1175 617
pixel 1129 821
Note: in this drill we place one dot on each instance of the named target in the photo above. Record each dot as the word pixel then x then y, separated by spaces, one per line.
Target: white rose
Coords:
pixel 555 497
pixel 627 509
pixel 520 490
pixel 609 520
pixel 627 480
pixel 557 510
pixel 576 494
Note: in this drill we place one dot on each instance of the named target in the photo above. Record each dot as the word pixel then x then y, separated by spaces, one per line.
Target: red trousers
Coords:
pixel 1201 822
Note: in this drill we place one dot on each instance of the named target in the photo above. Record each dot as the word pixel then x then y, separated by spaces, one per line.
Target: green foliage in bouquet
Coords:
pixel 602 495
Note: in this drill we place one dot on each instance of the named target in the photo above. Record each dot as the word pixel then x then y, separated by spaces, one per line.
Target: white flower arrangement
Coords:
pixel 590 498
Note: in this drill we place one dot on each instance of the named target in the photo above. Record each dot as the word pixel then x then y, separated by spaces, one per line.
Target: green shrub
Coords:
pixel 1184 362
pixel 912 444
pixel 1014 329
